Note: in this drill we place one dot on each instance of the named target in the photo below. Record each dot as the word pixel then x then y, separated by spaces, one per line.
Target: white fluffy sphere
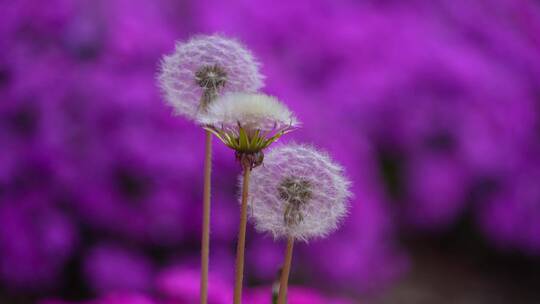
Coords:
pixel 178 71
pixel 299 192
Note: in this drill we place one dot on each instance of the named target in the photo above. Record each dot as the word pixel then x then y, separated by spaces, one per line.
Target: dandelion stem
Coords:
pixel 239 271
pixel 284 281
pixel 205 239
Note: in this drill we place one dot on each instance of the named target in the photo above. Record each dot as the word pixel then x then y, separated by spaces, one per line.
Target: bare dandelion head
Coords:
pixel 299 192
pixel 295 192
pixel 248 123
pixel 211 77
pixel 204 67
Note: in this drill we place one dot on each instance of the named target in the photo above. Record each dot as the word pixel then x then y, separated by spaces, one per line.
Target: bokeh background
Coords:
pixel 433 107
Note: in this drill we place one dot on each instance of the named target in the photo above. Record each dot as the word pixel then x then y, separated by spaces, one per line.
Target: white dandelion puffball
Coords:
pixel 253 111
pixel 248 123
pixel 299 192
pixel 204 67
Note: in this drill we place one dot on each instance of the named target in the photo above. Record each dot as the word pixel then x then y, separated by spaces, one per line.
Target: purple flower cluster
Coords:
pixel 179 285
pixel 423 103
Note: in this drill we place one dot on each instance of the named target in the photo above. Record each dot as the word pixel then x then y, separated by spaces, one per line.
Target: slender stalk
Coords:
pixel 275 286
pixel 239 271
pixel 284 281
pixel 205 239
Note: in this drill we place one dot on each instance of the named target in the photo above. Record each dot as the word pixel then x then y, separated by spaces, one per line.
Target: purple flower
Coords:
pixel 110 268
pixel 510 215
pixel 436 191
pixel 182 284
pixel 35 241
pixel 113 298
pixel 295 295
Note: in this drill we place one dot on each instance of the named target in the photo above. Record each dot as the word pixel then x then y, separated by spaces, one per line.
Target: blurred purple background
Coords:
pixel 432 106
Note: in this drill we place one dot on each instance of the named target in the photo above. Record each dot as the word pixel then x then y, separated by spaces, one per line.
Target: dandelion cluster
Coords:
pixel 301 193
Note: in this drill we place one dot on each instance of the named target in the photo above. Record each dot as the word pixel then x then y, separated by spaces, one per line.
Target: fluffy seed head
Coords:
pixel 251 110
pixel 248 122
pixel 204 67
pixel 299 192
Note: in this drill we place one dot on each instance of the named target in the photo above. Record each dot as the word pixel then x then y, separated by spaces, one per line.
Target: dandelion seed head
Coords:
pixel 299 192
pixel 250 110
pixel 248 123
pixel 206 66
